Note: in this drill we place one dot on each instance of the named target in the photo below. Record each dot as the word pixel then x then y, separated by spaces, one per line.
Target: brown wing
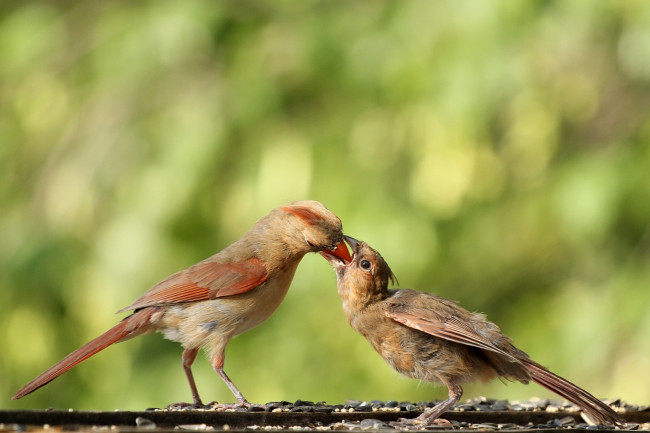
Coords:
pixel 444 319
pixel 205 280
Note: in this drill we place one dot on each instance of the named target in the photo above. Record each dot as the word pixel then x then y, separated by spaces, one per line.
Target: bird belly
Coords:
pixel 425 357
pixel 215 321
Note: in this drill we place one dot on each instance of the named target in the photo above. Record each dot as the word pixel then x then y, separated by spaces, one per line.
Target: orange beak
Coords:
pixel 341 252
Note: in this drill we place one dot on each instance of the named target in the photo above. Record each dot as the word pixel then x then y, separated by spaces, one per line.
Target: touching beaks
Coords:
pixel 342 252
pixel 338 255
pixel 352 242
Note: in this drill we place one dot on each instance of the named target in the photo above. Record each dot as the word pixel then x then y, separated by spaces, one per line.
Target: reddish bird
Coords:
pixel 426 337
pixel 214 300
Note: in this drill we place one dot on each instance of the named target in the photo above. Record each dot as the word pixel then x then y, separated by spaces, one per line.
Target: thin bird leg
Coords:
pixel 189 355
pixel 217 365
pixel 430 415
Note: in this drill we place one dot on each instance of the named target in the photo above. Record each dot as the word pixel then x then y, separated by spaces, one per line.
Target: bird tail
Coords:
pixel 128 327
pixel 594 407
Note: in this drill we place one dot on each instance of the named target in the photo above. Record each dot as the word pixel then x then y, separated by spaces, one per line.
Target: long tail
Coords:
pixel 130 325
pixel 598 410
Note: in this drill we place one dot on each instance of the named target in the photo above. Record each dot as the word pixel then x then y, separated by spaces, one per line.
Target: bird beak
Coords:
pixel 338 255
pixel 354 244
pixel 342 252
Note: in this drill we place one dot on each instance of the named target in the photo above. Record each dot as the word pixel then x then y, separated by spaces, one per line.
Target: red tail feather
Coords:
pixel 128 326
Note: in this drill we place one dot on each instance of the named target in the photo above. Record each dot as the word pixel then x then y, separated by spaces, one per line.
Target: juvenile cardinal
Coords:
pixel 426 337
pixel 207 304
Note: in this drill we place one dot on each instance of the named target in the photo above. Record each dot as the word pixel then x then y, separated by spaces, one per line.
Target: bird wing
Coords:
pixel 442 321
pixel 205 280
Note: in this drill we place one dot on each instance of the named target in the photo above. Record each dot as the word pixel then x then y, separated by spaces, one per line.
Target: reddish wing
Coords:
pixel 449 328
pixel 205 280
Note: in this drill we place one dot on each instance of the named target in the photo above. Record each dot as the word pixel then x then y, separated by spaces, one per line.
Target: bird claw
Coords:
pixel 182 405
pixel 440 422
pixel 403 423
pixel 239 405
pixel 214 405
pixel 419 424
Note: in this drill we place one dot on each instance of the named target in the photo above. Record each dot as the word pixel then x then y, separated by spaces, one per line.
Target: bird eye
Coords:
pixel 365 264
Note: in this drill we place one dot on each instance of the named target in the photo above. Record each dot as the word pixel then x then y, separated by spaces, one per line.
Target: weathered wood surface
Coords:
pixel 165 420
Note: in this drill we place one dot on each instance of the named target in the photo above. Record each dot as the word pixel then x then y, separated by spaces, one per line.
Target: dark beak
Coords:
pixel 354 244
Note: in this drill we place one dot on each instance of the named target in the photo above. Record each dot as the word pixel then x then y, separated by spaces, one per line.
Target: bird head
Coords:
pixel 315 228
pixel 366 273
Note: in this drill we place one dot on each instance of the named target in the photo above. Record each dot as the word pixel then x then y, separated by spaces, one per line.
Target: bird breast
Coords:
pixel 205 323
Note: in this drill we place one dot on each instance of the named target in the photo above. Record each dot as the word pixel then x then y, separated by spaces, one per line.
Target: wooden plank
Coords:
pixel 240 420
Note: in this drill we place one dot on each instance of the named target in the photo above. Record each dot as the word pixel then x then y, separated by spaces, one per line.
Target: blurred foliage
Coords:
pixel 497 153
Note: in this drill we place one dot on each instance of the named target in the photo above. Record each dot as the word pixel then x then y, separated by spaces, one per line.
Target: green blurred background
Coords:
pixel 497 153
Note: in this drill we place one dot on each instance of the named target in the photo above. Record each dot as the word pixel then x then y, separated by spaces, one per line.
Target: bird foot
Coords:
pixel 183 406
pixel 239 405
pixel 214 405
pixel 439 422
pixel 418 423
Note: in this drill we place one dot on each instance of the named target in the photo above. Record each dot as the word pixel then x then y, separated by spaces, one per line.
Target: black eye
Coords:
pixel 365 264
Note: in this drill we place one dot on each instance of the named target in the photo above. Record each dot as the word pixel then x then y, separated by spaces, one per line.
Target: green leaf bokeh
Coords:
pixel 496 153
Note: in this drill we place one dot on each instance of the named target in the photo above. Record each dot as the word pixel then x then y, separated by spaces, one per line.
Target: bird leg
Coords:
pixel 217 365
pixel 189 355
pixel 241 400
pixel 430 416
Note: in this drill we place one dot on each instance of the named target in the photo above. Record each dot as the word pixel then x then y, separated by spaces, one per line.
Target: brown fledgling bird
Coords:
pixel 426 337
pixel 207 304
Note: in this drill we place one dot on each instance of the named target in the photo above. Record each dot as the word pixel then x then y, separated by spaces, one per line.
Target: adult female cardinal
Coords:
pixel 430 338
pixel 214 300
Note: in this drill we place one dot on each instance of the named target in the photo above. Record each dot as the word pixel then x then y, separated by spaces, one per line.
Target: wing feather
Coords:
pixel 205 280
pixel 446 326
